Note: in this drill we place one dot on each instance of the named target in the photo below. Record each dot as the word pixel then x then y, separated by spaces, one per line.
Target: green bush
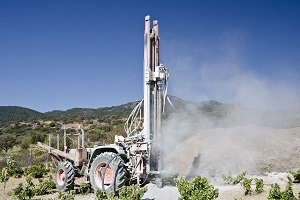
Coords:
pixel 25 142
pixel 100 195
pixel 247 186
pixel 4 176
pixel 275 192
pixel 44 186
pixel 29 190
pixel 25 192
pixel 236 180
pixel 12 168
pixel 287 194
pixel 67 196
pixel 199 188
pixel 7 141
pixel 84 188
pixel 259 185
pixel 132 192
pixel 36 171
pixel 296 175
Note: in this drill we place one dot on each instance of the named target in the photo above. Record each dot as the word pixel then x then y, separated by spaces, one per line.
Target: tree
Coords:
pixel 25 142
pixel 7 141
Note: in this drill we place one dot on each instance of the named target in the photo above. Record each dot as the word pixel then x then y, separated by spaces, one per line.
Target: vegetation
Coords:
pixel 45 186
pixel 247 186
pixel 36 171
pixel 7 141
pixel 100 126
pixel 84 188
pixel 236 180
pixel 132 192
pixel 70 195
pixel 296 175
pixel 30 189
pixel 4 176
pixel 15 113
pixel 12 169
pixel 259 185
pixel 20 128
pixel 25 192
pixel 276 194
pixel 199 188
pixel 100 195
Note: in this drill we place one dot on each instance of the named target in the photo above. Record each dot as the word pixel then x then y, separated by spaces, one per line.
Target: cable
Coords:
pixel 131 124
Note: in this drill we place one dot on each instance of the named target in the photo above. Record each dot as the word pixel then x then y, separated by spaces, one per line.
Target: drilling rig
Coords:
pixel 136 158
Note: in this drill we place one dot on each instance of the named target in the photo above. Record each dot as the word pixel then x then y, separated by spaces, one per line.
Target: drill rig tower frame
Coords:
pixel 155 77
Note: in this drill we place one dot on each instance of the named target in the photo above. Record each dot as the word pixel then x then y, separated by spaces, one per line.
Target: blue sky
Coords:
pixel 57 55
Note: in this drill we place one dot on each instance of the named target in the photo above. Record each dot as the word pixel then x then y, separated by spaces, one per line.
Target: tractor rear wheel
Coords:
pixel 64 176
pixel 113 178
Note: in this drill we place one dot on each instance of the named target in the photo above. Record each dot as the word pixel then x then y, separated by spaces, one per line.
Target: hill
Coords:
pixel 207 113
pixel 15 113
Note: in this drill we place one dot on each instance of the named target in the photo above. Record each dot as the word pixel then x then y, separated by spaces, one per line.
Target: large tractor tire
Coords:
pixel 64 176
pixel 114 177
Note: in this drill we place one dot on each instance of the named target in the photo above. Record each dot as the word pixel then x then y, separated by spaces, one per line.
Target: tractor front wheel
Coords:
pixel 64 176
pixel 113 178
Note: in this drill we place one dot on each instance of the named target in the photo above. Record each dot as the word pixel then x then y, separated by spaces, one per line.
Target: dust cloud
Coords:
pixel 257 127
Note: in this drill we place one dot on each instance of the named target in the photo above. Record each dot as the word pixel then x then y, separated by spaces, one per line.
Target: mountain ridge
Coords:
pixel 16 113
pixel 217 113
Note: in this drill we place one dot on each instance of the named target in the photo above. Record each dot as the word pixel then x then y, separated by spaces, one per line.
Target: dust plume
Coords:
pixel 254 128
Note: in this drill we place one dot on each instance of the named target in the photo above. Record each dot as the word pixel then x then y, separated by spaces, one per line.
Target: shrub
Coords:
pixel 36 171
pixel 29 190
pixel 275 192
pixel 288 193
pixel 25 142
pixel 296 175
pixel 13 169
pixel 67 196
pixel 4 176
pixel 133 192
pixel 236 180
pixel 247 186
pixel 44 186
pixel 7 141
pixel 199 188
pixel 84 188
pixel 259 185
pixel 100 195
pixel 25 192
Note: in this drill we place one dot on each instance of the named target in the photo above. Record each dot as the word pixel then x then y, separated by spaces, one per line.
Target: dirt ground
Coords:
pixel 213 152
pixel 226 192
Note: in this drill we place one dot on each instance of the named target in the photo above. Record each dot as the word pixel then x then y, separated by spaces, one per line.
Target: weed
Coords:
pixel 199 188
pixel 247 186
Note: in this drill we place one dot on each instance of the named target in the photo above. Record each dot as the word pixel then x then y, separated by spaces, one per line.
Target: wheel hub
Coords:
pixel 61 176
pixel 108 177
